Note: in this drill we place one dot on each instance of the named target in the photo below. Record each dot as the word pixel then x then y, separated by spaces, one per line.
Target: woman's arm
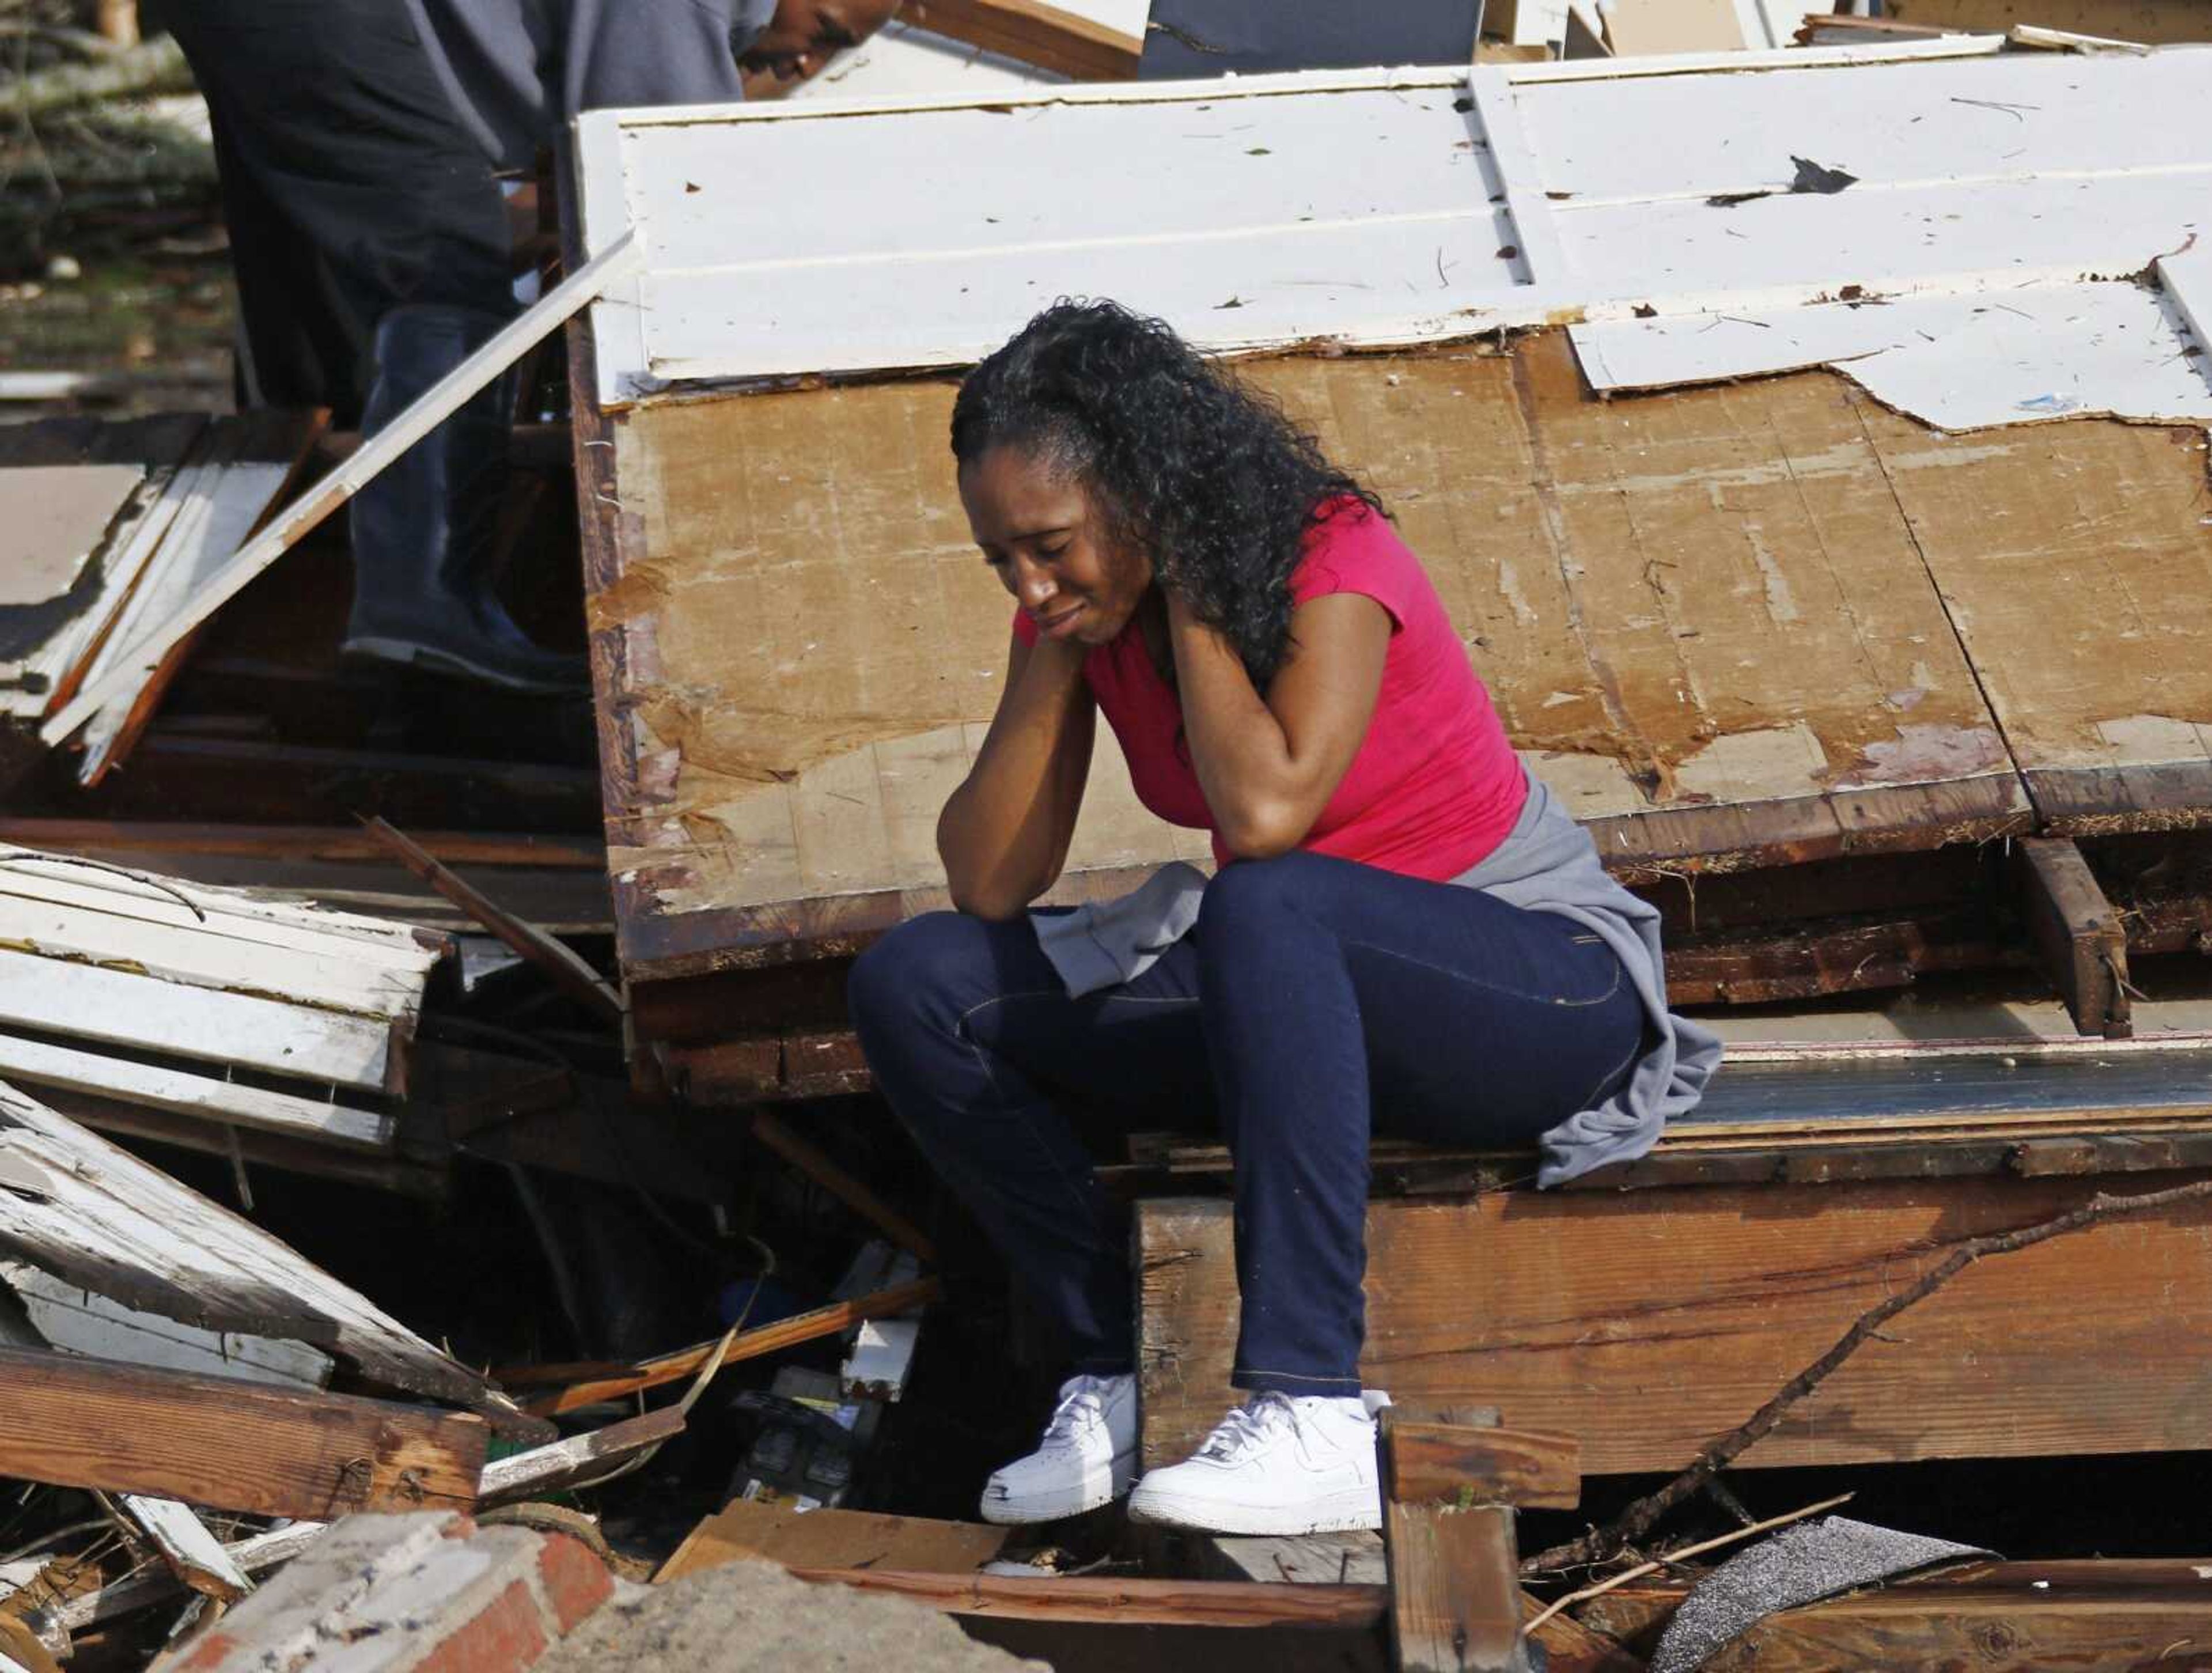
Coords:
pixel 1269 767
pixel 1003 833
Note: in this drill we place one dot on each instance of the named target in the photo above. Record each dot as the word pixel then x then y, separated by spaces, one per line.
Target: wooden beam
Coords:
pixel 1451 1463
pixel 226 1442
pixel 1692 1306
pixel 589 1384
pixel 1118 1602
pixel 1064 42
pixel 2082 943
pixel 1454 1567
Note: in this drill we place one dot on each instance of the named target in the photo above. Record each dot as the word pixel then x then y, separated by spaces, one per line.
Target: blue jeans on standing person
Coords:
pixel 1319 1002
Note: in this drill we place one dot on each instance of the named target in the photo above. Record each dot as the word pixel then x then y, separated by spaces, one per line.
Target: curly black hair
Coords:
pixel 1186 463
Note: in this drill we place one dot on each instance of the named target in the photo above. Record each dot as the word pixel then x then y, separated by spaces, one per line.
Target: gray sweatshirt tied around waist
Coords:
pixel 1547 863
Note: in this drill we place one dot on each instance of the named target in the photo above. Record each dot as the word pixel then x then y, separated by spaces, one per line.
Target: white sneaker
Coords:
pixel 1279 1464
pixel 1087 1459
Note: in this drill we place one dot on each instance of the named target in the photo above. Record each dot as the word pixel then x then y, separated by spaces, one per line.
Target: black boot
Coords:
pixel 423 532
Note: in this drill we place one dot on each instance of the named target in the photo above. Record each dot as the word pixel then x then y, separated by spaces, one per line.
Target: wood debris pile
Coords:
pixel 414 1100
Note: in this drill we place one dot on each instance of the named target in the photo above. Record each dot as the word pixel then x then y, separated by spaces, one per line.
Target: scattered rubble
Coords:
pixel 444 1220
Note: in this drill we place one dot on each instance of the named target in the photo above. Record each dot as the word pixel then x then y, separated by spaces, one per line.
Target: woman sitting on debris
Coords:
pixel 1405 935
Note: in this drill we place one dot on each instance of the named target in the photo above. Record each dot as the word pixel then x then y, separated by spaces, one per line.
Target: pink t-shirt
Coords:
pixel 1434 785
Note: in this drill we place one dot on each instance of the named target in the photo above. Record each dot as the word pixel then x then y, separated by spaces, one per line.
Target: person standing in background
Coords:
pixel 365 147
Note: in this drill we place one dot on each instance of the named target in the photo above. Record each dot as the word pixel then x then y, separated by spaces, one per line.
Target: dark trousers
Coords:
pixel 1318 1002
pixel 349 186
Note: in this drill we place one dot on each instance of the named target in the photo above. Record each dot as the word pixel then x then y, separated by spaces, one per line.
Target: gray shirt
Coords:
pixel 1547 863
pixel 519 70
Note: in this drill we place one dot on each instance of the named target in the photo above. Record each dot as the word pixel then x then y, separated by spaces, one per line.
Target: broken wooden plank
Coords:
pixel 80 1321
pixel 1448 1542
pixel 1452 1463
pixel 1120 1602
pixel 427 1176
pixel 2082 939
pixel 437 404
pixel 1692 1307
pixel 98 1217
pixel 1454 1593
pixel 39 644
pixel 224 1441
pixel 562 963
pixel 202 1097
pixel 589 1384
pixel 781 1533
pixel 562 1464
pixel 1353 1558
pixel 248 461
pixel 122 1008
pixel 252 1557
pixel 193 1554
pixel 1035 32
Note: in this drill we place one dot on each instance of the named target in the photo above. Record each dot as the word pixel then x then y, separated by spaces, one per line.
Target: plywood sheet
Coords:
pixel 1645 1324
pixel 1684 607
pixel 2082 590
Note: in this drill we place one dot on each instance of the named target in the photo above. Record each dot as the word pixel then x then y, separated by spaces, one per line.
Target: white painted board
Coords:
pixel 1956 362
pixel 1380 208
pixel 207 1098
pixel 80 1321
pixel 83 1002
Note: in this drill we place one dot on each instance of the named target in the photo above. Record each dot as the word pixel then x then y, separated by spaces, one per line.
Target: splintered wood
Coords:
pixel 222 1441
pixel 1724 625
pixel 1689 1308
pixel 99 1218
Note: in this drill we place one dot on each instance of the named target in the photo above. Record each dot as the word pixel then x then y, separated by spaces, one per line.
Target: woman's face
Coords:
pixel 1051 548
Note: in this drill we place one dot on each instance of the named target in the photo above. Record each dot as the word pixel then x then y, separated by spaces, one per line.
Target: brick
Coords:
pixel 505 1637
pixel 575 1581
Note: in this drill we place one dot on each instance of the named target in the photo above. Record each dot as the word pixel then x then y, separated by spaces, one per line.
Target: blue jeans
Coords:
pixel 1318 1002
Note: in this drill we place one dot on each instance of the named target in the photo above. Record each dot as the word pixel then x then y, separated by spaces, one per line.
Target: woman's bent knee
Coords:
pixel 1254 890
pixel 926 970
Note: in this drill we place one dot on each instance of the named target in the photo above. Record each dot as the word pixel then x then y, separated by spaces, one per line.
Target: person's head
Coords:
pixel 1099 455
pixel 804 33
